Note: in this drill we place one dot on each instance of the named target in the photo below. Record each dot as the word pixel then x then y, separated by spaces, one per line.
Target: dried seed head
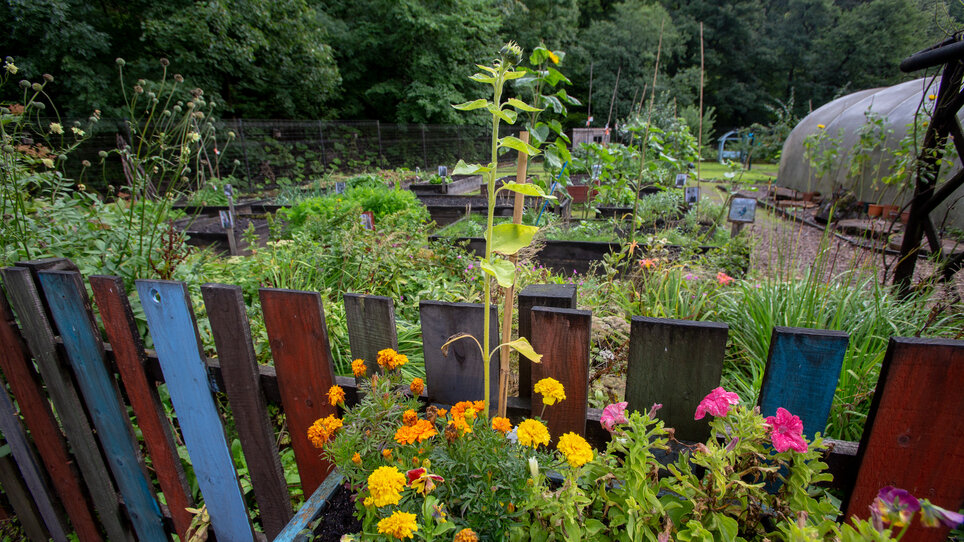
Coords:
pixel 165 62
pixel 179 78
pixel 49 78
pixel 120 61
pixel 85 163
pixel 138 89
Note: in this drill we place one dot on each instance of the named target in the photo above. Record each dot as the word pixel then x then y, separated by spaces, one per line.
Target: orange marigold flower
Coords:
pixel 409 417
pixel 441 412
pixel 501 425
pixel 358 367
pixel 390 359
pixel 336 395
pixel 417 386
pixel 323 430
pixel 356 459
pixel 420 431
pixel 466 535
pixel 387 453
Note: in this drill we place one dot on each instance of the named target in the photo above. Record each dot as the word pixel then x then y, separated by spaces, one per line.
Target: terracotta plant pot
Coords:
pixel 905 217
pixel 874 210
pixel 890 212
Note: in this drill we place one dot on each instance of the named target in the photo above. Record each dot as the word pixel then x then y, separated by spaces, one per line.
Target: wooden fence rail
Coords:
pixel 914 436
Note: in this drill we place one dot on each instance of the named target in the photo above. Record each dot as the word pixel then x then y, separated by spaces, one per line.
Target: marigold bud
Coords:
pixel 37 87
pixel 48 78
pixel 102 154
pixel 24 83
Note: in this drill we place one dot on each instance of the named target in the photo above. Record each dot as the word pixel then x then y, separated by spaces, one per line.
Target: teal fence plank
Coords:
pixel 802 371
pixel 66 298
pixel 170 320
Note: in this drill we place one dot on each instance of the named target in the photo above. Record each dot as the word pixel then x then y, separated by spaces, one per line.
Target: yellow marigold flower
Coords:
pixel 368 502
pixel 356 459
pixel 56 128
pixel 409 417
pixel 358 367
pixel 336 395
pixel 578 452
pixel 399 525
pixel 533 433
pixel 466 535
pixel 551 390
pixel 821 126
pixel 501 424
pixel 385 485
pixel 417 386
pixel 553 57
pixel 932 97
pixel 420 431
pixel 387 453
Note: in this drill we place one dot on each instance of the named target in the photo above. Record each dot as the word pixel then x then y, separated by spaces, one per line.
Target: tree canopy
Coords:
pixel 408 60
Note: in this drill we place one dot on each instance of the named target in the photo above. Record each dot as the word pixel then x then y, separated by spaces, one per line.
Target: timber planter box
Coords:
pixel 445 210
pixel 460 184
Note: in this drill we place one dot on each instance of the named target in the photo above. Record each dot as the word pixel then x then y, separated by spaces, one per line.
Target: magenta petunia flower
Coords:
pixel 613 414
pixel 786 431
pixel 716 403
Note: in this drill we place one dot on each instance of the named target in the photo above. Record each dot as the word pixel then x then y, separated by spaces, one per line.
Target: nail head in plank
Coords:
pixel 562 337
pixel 239 368
pixel 914 434
pixel 17 493
pixel 130 358
pixel 170 320
pixel 371 326
pixel 30 308
pixel 803 368
pixel 561 296
pixel 66 297
pixel 459 375
pixel 298 336
pixel 27 388
pixel 674 363
pixel 30 469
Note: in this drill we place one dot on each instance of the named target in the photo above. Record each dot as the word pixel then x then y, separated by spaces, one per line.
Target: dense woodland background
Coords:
pixel 405 61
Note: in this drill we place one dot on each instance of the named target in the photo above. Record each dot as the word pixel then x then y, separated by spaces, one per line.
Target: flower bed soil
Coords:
pixel 338 517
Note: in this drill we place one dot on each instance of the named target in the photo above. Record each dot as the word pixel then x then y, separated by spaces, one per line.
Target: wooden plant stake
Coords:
pixel 517 204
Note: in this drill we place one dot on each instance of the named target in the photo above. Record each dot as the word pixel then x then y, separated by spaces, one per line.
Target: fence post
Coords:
pixel 371 327
pixel 321 139
pixel 562 337
pixel 674 363
pixel 458 376
pixel 560 296
pixel 914 434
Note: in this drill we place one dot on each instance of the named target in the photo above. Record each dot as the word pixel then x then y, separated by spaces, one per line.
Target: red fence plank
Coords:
pixel 561 296
pixel 562 337
pixel 128 349
pixel 298 337
pixel 914 435
pixel 26 387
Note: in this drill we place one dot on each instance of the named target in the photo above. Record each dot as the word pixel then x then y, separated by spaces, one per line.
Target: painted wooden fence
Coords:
pixel 83 471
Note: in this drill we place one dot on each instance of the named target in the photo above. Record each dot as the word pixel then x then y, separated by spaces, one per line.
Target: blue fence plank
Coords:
pixel 66 298
pixel 298 529
pixel 170 320
pixel 802 371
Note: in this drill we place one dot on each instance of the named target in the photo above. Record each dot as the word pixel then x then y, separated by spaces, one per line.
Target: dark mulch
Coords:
pixel 338 517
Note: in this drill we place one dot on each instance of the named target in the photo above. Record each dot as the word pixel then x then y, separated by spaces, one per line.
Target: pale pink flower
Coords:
pixel 613 414
pixel 717 403
pixel 724 279
pixel 786 431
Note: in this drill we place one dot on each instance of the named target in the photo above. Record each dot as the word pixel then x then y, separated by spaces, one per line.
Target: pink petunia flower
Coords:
pixel 786 431
pixel 716 403
pixel 613 414
pixel 724 279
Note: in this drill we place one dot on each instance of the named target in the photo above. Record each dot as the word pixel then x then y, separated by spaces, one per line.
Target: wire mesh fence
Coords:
pixel 266 152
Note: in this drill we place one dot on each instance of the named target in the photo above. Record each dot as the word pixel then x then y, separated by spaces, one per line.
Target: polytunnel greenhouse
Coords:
pixel 860 142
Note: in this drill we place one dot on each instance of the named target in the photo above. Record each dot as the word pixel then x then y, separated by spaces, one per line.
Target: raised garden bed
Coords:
pixel 206 232
pixel 460 184
pixel 445 210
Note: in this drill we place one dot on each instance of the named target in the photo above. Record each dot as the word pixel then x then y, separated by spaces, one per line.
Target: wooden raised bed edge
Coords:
pixel 460 184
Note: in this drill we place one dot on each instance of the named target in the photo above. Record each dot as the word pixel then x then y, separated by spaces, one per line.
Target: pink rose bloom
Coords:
pixel 613 414
pixel 786 431
pixel 716 403
pixel 724 279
